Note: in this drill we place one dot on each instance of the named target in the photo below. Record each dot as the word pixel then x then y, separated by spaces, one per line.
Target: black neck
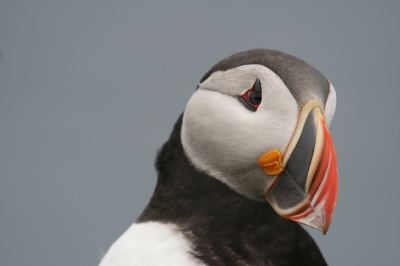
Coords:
pixel 219 221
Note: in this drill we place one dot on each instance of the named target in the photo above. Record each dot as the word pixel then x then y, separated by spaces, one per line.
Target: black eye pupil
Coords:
pixel 254 97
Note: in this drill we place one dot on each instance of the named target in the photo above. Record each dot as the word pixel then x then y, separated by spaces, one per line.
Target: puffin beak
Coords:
pixel 306 189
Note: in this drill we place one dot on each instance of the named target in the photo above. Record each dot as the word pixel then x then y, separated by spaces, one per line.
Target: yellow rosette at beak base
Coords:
pixel 271 162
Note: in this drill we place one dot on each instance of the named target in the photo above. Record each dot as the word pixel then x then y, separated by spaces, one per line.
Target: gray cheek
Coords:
pixel 252 183
pixel 250 180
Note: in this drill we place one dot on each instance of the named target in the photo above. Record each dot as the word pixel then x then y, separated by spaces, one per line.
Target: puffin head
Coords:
pixel 258 122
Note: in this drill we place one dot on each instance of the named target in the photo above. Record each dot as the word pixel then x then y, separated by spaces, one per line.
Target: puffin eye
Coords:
pixel 254 97
pixel 251 99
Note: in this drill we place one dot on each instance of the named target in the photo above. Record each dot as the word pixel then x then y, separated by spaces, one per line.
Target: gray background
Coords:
pixel 89 90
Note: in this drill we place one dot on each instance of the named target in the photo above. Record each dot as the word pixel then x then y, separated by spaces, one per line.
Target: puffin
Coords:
pixel 249 160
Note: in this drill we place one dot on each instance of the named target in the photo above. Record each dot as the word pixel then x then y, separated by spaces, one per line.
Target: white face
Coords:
pixel 225 139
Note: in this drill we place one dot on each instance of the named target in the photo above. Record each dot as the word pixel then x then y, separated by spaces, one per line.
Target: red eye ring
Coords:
pixel 252 98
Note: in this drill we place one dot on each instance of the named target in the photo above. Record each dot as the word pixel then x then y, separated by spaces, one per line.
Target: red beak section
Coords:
pixel 306 191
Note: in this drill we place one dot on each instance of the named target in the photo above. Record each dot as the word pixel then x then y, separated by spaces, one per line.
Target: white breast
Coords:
pixel 150 243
